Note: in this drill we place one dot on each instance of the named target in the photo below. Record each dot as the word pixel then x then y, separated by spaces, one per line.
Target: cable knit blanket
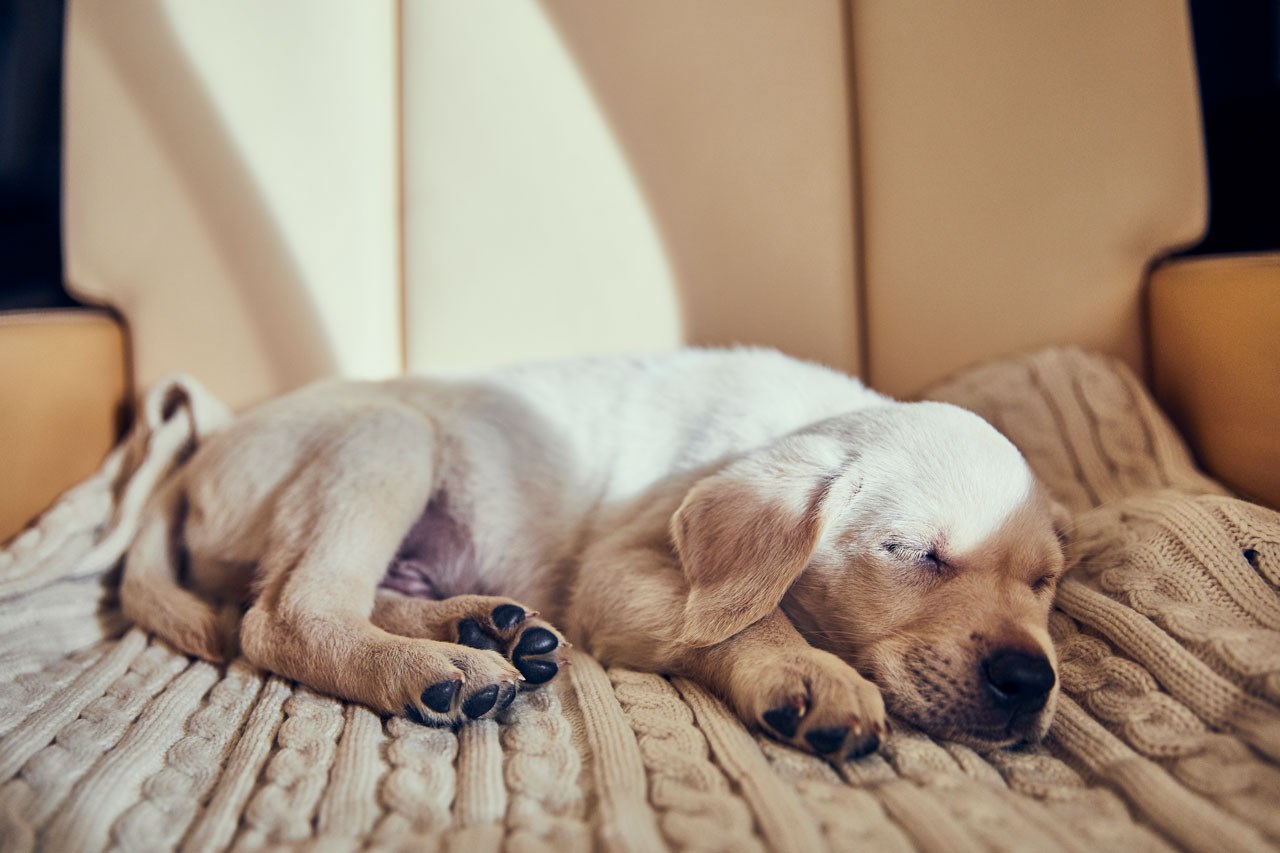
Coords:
pixel 1168 734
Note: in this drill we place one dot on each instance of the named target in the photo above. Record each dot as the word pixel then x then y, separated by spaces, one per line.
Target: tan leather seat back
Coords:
pixel 232 186
pixel 1021 164
pixel 273 192
pixel 588 177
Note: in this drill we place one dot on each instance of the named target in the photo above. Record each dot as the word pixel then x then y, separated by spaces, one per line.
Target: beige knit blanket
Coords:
pixel 1168 733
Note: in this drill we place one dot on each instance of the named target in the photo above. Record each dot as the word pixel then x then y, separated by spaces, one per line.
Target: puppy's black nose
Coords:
pixel 1018 682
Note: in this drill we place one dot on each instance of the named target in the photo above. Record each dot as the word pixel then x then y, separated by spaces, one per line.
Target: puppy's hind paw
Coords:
pixel 534 647
pixel 530 655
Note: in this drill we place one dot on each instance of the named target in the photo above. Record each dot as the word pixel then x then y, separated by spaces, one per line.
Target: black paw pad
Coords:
pixel 471 634
pixel 825 741
pixel 507 616
pixel 784 720
pixel 536 641
pixel 481 702
pixel 537 671
pixel 439 697
pixel 866 747
pixel 508 696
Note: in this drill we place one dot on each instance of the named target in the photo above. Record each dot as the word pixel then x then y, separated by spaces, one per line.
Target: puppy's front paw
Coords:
pixel 534 647
pixel 816 702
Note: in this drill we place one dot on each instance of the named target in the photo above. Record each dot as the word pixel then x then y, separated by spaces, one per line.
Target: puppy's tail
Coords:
pixel 151 594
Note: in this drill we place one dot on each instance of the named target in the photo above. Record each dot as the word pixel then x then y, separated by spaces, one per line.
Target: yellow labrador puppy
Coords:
pixel 806 548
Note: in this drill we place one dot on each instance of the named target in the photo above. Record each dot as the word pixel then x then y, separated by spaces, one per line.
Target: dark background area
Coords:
pixel 1237 49
pixel 1238 54
pixel 30 154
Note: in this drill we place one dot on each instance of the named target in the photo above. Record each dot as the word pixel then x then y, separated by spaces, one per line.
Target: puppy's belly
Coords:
pixel 436 559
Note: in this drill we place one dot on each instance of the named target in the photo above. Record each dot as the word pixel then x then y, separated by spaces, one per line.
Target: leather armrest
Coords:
pixel 63 383
pixel 1215 361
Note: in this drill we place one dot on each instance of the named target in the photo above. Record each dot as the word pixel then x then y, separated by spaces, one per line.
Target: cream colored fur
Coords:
pixel 768 527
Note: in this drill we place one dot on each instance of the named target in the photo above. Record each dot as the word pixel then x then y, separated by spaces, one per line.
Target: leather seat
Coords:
pixel 275 193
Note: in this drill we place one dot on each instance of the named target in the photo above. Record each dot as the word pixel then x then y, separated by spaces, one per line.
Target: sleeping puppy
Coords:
pixel 806 548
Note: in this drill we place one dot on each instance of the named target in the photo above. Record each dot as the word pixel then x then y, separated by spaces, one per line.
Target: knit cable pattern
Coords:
pixel 692 795
pixel 546 810
pixel 1167 735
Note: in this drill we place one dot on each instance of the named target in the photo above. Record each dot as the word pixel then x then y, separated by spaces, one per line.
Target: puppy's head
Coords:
pixel 913 541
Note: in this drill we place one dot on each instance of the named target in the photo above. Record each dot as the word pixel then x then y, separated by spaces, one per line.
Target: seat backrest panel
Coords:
pixel 594 177
pixel 231 185
pixel 1021 164
pixel 276 192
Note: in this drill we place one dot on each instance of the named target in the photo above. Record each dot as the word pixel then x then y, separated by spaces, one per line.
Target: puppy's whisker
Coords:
pixel 834 632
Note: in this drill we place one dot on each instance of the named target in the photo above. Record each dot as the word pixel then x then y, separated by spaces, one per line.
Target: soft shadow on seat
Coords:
pixel 734 119
pixel 140 42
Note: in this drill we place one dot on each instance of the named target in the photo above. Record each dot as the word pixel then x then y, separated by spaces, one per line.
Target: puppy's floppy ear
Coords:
pixel 1064 526
pixel 746 533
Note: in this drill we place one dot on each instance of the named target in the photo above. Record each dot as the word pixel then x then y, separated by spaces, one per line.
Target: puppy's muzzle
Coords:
pixel 1018 683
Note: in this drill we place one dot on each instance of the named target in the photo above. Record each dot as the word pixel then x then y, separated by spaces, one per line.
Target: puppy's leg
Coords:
pixel 800 695
pixel 333 529
pixel 482 622
pixel 629 605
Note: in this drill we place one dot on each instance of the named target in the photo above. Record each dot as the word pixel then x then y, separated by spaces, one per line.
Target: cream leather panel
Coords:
pixel 1020 165
pixel 64 386
pixel 593 177
pixel 232 185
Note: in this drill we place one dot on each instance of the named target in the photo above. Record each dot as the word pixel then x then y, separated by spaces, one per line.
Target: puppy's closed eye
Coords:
pixel 1043 583
pixel 924 556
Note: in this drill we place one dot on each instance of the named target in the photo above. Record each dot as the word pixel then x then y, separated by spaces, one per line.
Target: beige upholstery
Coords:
pixel 588 177
pixel 273 192
pixel 232 185
pixel 1021 165
pixel 525 234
